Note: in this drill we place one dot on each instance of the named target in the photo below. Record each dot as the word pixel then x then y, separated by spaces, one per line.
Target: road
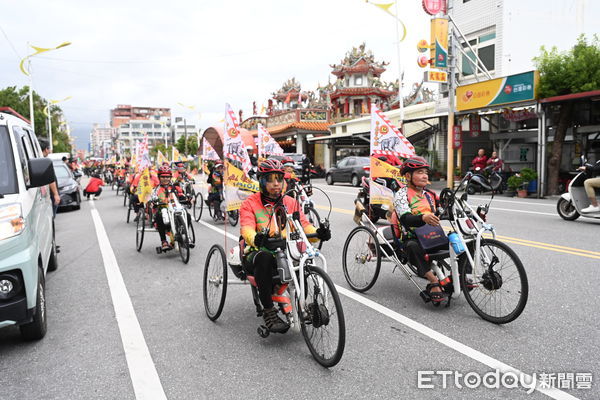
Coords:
pixel 146 335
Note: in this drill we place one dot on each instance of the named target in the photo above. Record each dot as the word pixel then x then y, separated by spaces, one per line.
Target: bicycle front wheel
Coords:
pixel 140 228
pixel 183 240
pixel 322 320
pixel 497 289
pixel 361 259
pixel 313 216
pixel 233 217
pixel 198 206
pixel 215 282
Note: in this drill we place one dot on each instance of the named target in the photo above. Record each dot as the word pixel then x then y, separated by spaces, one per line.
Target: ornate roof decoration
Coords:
pixel 359 60
pixel 290 87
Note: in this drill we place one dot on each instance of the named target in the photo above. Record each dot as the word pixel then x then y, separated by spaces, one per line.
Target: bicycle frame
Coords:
pixel 175 208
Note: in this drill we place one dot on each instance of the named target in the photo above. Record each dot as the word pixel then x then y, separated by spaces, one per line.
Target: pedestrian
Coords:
pixel 480 161
pixel 94 187
pixel 45 145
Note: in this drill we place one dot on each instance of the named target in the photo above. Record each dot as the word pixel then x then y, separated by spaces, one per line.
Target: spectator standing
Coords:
pixel 53 188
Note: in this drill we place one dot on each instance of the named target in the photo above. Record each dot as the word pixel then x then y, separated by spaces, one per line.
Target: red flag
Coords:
pixel 288 98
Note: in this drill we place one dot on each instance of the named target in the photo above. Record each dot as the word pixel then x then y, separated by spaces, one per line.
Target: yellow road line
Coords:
pixel 508 239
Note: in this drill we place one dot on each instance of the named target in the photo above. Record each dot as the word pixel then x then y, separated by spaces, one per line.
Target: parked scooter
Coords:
pixel 479 182
pixel 571 203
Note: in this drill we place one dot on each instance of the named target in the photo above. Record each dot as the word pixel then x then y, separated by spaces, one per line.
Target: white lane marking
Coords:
pixel 435 335
pixel 522 211
pixel 145 380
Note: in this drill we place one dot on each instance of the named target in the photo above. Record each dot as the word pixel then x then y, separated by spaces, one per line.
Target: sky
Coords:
pixel 208 53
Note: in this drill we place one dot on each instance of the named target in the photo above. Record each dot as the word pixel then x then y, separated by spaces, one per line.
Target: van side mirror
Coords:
pixel 41 172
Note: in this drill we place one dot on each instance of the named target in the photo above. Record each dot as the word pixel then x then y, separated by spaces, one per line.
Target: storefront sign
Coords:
pixel 474 125
pixel 436 76
pixel 433 7
pixel 439 41
pixel 457 137
pixel 493 92
pixel 519 115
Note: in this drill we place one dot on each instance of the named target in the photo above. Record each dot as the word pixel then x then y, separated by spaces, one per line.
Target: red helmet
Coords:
pixel 412 164
pixel 218 163
pixel 269 166
pixel 287 160
pixel 164 171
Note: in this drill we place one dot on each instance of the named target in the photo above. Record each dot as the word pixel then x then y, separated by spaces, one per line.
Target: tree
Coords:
pixel 18 100
pixel 192 145
pixel 561 73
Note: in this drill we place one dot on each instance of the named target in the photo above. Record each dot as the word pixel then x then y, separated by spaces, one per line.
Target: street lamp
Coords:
pixel 47 112
pixel 27 72
pixel 193 108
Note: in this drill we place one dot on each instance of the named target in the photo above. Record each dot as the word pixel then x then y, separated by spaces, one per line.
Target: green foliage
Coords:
pixel 18 100
pixel 192 145
pixel 573 71
pixel 515 182
pixel 528 174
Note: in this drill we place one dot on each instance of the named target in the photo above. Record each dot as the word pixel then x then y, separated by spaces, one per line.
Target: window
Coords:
pixel 358 80
pixel 344 128
pixel 8 179
pixel 351 162
pixel 61 171
pixel 343 163
pixel 146 126
pixel 17 135
pixel 485 47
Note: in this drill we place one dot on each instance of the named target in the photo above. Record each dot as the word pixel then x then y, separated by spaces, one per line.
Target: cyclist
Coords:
pixel 258 224
pixel 181 175
pixel 160 197
pixel 290 175
pixel 215 180
pixel 415 206
pixel 135 181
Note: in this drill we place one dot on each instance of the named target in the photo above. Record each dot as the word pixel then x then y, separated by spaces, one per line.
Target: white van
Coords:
pixel 27 246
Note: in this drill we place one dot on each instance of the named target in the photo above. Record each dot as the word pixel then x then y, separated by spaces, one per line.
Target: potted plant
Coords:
pixel 529 179
pixel 515 183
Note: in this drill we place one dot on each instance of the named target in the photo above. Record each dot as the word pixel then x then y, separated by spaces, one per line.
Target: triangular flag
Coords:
pixel 266 144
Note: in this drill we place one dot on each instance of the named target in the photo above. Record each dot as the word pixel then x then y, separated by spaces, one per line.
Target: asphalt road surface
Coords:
pixel 125 325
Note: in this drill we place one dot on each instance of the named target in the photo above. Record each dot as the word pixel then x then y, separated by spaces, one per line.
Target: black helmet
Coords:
pixel 412 164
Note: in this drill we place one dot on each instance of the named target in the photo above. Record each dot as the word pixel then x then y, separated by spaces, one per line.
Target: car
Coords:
pixel 298 158
pixel 69 188
pixel 27 245
pixel 349 169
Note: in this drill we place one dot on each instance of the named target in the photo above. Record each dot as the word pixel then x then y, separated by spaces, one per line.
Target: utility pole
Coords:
pixel 451 93
pixel 185 134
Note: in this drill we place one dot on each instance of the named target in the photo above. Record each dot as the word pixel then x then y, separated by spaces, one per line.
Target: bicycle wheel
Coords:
pixel 183 239
pixel 129 211
pixel 233 217
pixel 361 259
pixel 322 320
pixel 313 216
pixel 198 206
pixel 215 282
pixel 140 228
pixel 497 289
pixel 125 197
pixel 191 233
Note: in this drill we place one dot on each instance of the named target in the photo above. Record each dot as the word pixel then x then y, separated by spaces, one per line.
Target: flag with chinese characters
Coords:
pixel 233 146
pixel 386 140
pixel 267 146
pixel 144 188
pixel 208 153
pixel 144 154
pixel 160 158
pixel 237 187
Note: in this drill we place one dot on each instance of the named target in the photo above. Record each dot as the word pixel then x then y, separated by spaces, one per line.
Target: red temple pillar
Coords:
pixel 346 107
pixel 368 104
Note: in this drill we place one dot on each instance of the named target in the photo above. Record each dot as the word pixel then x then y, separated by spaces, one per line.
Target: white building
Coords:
pixel 99 137
pixel 181 127
pixel 134 130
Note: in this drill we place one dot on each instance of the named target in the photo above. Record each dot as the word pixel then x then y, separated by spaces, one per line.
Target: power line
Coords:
pixel 11 45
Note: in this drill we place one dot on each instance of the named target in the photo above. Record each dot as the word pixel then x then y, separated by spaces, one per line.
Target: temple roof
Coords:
pixel 358 60
pixel 290 87
pixel 302 125
pixel 361 91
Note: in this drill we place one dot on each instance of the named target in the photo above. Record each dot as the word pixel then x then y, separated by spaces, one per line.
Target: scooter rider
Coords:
pixel 593 171
pixel 256 216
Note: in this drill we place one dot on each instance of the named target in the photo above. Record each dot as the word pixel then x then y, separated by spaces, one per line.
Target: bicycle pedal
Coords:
pixel 425 296
pixel 192 245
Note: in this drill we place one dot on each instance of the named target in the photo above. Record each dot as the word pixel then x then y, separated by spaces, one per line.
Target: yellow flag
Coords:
pixel 144 189
pixel 160 158
pixel 176 155
pixel 386 8
pixel 381 169
pixel 237 186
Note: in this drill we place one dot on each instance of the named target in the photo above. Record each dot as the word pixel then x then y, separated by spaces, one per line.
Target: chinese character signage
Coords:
pixel 439 42
pixel 436 76
pixel 493 92
pixel 457 137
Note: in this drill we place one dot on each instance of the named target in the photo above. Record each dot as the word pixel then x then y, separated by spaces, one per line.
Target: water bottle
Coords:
pixel 283 267
pixel 456 243
pixel 165 216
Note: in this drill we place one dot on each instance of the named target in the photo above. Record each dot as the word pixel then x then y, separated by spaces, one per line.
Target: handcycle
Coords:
pixel 304 292
pixel 118 184
pixel 217 210
pixel 175 217
pixel 195 200
pixel 488 272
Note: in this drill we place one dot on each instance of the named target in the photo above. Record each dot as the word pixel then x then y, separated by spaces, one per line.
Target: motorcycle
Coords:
pixel 571 203
pixel 486 180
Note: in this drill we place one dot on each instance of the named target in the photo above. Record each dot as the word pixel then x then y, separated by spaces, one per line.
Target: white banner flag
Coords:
pixel 208 153
pixel 386 138
pixel 144 154
pixel 267 146
pixel 233 146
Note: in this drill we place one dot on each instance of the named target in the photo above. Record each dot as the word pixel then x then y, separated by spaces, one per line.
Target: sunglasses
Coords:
pixel 274 178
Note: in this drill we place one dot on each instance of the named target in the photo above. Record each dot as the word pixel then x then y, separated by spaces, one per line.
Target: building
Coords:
pixel 122 114
pixel 102 138
pixel 359 85
pixel 134 130
pixel 182 128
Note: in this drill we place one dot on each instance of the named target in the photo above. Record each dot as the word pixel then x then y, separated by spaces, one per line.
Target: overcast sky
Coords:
pixel 206 53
